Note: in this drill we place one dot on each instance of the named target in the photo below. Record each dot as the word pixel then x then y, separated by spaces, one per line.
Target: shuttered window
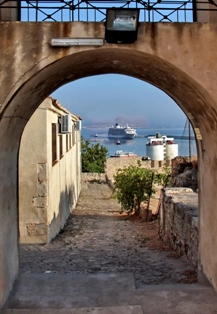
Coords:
pixel 70 140
pixel 61 145
pixel 54 143
pixel 73 137
pixel 67 142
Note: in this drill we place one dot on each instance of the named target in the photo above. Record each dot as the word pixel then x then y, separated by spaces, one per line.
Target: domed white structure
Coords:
pixel 161 147
pixel 155 150
pixel 171 149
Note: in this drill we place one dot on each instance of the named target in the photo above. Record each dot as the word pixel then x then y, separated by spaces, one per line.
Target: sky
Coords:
pixel 117 98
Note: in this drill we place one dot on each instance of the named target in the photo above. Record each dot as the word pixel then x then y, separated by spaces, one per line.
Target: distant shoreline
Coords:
pixel 179 137
pixel 134 126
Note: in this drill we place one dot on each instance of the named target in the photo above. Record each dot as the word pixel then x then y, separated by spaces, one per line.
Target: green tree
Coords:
pixel 164 177
pixel 133 185
pixel 93 156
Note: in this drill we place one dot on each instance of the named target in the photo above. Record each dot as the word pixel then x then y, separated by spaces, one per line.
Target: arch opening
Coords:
pixel 191 98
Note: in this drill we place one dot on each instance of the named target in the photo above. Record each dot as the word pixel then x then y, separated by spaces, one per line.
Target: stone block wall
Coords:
pixel 185 172
pixel 89 176
pixel 179 221
pixel 113 164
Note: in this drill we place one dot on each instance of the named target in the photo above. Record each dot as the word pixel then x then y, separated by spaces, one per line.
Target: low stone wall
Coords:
pixel 179 221
pixel 113 164
pixel 88 176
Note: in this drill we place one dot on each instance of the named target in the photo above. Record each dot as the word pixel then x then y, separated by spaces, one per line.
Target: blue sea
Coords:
pixel 137 145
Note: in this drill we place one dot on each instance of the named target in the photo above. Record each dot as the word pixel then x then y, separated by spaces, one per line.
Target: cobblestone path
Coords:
pixel 96 238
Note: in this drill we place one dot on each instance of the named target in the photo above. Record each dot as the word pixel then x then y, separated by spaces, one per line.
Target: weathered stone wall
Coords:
pixel 113 164
pixel 179 221
pixel 184 172
pixel 88 176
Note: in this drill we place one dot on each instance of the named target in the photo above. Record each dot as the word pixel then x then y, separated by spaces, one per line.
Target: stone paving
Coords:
pixel 97 239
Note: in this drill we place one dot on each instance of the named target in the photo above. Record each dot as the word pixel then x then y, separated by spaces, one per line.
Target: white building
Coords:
pixel 49 172
pixel 161 147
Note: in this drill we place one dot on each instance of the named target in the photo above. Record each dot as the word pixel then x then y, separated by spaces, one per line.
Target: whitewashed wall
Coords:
pixel 48 191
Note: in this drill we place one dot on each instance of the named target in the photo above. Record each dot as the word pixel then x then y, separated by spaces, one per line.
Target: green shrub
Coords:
pixel 164 177
pixel 133 185
pixel 93 156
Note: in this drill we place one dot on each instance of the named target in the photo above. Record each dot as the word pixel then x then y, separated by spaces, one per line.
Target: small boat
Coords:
pixel 118 142
pixel 96 135
pixel 96 140
pixel 121 153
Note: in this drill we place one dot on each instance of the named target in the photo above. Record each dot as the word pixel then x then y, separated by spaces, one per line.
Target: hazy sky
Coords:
pixel 114 98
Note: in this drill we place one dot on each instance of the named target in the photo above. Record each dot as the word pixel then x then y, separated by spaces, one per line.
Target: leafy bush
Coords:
pixel 133 185
pixel 93 156
pixel 164 177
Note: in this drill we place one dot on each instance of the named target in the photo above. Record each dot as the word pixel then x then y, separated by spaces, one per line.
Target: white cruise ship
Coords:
pixel 118 131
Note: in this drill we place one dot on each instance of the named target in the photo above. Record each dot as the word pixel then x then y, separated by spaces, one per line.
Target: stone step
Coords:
pixel 131 309
pixel 70 290
pixel 113 293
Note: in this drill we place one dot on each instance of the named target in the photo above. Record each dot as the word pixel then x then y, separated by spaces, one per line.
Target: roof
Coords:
pixel 57 105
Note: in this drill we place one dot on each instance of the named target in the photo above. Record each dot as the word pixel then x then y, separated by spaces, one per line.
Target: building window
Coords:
pixel 70 140
pixel 67 142
pixel 61 145
pixel 54 143
pixel 73 137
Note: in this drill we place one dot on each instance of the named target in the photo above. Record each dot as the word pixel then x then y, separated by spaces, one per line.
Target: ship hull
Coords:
pixel 120 136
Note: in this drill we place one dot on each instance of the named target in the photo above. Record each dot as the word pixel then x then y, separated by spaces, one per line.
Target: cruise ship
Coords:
pixel 118 131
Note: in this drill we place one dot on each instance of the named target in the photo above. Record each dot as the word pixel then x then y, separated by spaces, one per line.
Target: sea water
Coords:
pixel 186 146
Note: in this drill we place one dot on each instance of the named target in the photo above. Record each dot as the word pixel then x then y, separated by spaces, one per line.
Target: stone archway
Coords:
pixel 28 84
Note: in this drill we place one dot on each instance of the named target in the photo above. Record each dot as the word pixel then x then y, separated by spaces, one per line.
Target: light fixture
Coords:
pixel 65 42
pixel 121 25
